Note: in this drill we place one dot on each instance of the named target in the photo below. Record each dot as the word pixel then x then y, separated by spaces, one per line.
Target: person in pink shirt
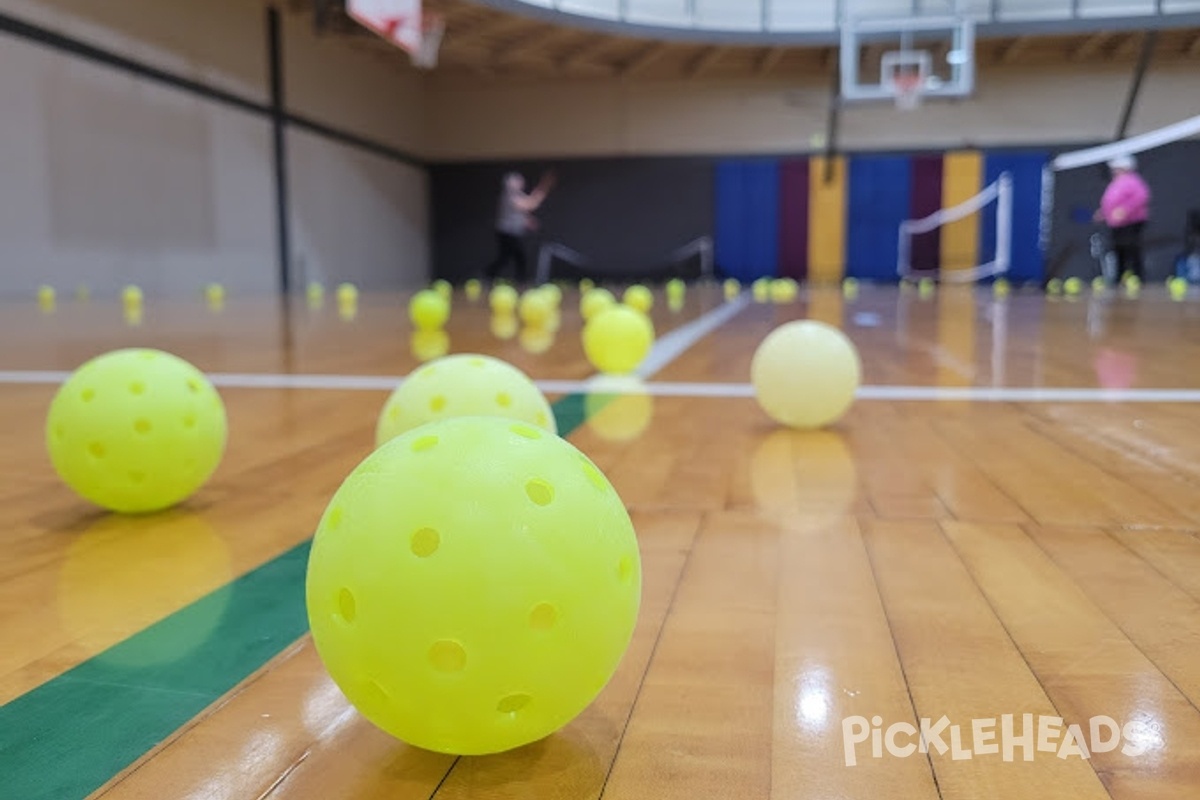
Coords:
pixel 1125 209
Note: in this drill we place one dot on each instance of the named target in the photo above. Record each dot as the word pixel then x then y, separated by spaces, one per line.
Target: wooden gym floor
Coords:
pixel 1005 524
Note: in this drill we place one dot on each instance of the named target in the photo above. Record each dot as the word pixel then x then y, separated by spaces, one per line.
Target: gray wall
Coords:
pixel 626 215
pixel 113 178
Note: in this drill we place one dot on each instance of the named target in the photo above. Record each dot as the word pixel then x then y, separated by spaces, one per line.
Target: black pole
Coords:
pixel 832 125
pixel 279 141
pixel 1135 89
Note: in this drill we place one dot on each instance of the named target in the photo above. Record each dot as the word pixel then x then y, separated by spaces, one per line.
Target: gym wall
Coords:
pixel 116 176
pixel 772 205
pixel 796 217
pixel 768 216
pixel 626 215
pixel 359 213
pixel 472 120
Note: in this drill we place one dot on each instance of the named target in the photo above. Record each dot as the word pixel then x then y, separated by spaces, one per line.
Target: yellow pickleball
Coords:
pixel 429 310
pixel 784 290
pixel 473 289
pixel 617 340
pixel 595 301
pixel 444 288
pixel 315 294
pixel 46 297
pixel 132 297
pixel 536 307
pixel 463 385
pixel 503 300
pixel 640 298
pixel 732 289
pixel 805 374
pixel 136 430
pixel 473 585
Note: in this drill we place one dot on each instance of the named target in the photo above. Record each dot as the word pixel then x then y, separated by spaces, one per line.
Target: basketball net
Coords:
pixel 908 90
pixel 429 44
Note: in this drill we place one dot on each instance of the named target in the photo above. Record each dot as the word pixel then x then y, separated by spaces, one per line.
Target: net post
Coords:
pixel 707 259
pixel 1004 223
pixel 545 253
pixel 903 261
pixel 1046 229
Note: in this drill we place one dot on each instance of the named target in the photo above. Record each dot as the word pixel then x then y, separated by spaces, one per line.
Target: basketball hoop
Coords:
pixel 404 24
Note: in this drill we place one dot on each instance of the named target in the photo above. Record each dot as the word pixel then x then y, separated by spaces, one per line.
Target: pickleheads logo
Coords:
pixel 1008 737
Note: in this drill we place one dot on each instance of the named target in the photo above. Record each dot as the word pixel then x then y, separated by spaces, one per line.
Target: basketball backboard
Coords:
pixel 403 23
pixel 882 56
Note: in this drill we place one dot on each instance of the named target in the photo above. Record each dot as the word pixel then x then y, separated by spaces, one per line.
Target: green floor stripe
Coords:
pixel 570 412
pixel 68 737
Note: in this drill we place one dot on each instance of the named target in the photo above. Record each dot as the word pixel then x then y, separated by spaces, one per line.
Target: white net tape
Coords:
pixel 1000 194
pixel 1128 147
pixel 908 95
pixel 556 250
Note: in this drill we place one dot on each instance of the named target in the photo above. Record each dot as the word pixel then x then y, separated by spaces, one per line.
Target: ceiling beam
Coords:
pixel 769 60
pixel 587 48
pixel 643 59
pixel 490 26
pixel 1129 45
pixel 1091 46
pixel 705 60
pixel 1015 49
pixel 516 48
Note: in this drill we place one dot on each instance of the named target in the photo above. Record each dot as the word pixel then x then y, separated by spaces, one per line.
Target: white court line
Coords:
pixel 677 342
pixel 665 350
pixel 673 389
pixel 1028 394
